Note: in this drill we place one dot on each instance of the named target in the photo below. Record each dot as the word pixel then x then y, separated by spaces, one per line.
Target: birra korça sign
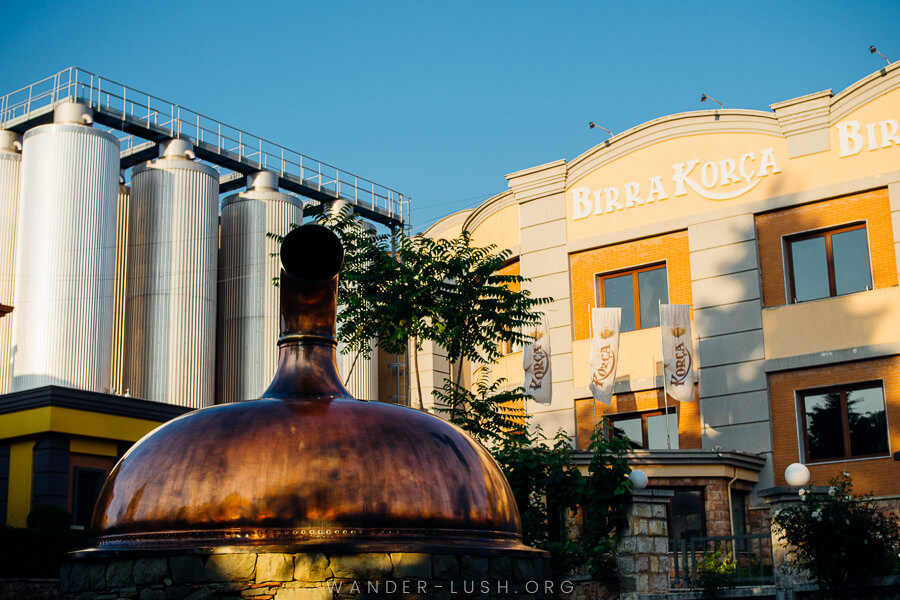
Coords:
pixel 721 179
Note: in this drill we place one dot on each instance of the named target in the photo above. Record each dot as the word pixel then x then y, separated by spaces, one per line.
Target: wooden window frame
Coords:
pixel 845 420
pixel 643 415
pixel 670 512
pixel 829 257
pixel 635 288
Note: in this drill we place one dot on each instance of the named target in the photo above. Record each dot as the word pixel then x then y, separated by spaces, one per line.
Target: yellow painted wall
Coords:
pixel 92 446
pixel 861 319
pixel 21 458
pixel 509 367
pixel 76 422
pixel 500 229
pixel 640 357
pixel 796 175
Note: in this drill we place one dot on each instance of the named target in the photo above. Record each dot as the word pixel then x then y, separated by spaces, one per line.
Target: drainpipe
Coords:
pixel 731 511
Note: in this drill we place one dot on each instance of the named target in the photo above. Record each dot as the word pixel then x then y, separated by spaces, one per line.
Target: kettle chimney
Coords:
pixel 311 257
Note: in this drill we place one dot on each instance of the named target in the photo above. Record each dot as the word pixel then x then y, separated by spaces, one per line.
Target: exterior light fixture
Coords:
pixel 704 98
pixel 874 50
pixel 591 125
pixel 638 479
pixel 796 475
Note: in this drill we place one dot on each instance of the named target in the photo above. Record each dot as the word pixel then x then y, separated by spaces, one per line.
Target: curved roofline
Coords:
pixel 863 91
pixel 489 207
pixel 448 221
pixel 669 127
pixel 685 124
pixel 727 121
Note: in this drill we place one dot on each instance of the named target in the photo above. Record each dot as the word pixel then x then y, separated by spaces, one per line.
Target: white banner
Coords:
pixel 605 323
pixel 678 351
pixel 536 361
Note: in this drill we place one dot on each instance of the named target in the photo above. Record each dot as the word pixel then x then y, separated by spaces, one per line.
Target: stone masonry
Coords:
pixel 254 574
pixel 644 546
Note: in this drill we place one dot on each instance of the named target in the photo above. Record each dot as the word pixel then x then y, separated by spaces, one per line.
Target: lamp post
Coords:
pixel 796 475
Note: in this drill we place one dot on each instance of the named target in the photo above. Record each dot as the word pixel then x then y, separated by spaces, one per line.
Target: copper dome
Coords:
pixel 307 464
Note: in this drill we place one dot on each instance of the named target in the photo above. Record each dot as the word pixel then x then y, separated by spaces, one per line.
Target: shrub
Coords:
pixel 715 572
pixel 48 516
pixel 839 538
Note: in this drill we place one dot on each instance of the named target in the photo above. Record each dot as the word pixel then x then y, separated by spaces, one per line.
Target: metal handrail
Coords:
pixel 752 554
pixel 118 100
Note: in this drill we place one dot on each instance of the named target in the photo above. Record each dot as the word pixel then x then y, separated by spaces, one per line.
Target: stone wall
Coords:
pixel 259 575
pixel 32 589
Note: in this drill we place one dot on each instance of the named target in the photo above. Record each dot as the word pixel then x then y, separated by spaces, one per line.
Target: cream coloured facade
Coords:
pixel 718 198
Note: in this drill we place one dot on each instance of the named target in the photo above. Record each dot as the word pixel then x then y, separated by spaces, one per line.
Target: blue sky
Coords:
pixel 441 100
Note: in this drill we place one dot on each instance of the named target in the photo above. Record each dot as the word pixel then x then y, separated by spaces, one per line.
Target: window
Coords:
pixel 686 515
pixel 638 293
pixel 828 263
pixel 648 429
pixel 844 422
pixel 87 489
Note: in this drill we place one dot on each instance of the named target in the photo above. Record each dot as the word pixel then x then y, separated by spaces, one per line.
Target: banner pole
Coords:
pixel 665 393
pixel 593 399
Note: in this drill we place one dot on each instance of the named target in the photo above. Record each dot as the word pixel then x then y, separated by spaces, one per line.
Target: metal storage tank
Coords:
pixel 363 380
pixel 10 171
pixel 118 342
pixel 170 308
pixel 65 254
pixel 248 303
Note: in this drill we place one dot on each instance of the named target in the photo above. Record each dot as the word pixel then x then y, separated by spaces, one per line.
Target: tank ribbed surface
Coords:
pixel 65 258
pixel 118 343
pixel 170 309
pixel 248 315
pixel 363 381
pixel 10 170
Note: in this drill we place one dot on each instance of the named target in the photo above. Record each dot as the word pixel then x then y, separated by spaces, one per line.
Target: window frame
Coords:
pixel 643 415
pixel 843 388
pixel 826 233
pixel 600 299
pixel 670 513
pixel 76 471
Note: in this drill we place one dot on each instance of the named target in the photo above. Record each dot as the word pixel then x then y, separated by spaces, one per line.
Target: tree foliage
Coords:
pixel 605 499
pixel 548 486
pixel 404 290
pixel 839 538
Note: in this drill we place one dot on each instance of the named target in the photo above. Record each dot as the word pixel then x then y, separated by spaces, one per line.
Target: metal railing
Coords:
pixel 163 118
pixel 752 554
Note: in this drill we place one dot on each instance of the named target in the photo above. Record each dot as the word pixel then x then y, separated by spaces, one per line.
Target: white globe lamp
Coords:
pixel 638 479
pixel 796 475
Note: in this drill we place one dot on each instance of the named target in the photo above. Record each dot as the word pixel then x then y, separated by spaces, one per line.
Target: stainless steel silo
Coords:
pixel 170 308
pixel 10 171
pixel 360 374
pixel 248 303
pixel 65 254
pixel 118 341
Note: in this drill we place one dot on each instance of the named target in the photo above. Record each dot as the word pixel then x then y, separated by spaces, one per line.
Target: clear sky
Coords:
pixel 441 100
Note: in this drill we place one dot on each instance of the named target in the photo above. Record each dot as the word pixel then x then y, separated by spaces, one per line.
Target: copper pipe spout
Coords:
pixel 311 257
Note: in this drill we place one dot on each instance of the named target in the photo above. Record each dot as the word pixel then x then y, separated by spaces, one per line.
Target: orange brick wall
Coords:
pixel 688 415
pixel 873 207
pixel 512 269
pixel 880 476
pixel 584 266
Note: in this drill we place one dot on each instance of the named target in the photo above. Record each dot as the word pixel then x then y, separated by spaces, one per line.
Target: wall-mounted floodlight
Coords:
pixel 704 98
pixel 592 125
pixel 874 50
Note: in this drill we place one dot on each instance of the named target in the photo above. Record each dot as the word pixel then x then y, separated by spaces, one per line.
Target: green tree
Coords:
pixel 404 290
pixel 478 308
pixel 606 500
